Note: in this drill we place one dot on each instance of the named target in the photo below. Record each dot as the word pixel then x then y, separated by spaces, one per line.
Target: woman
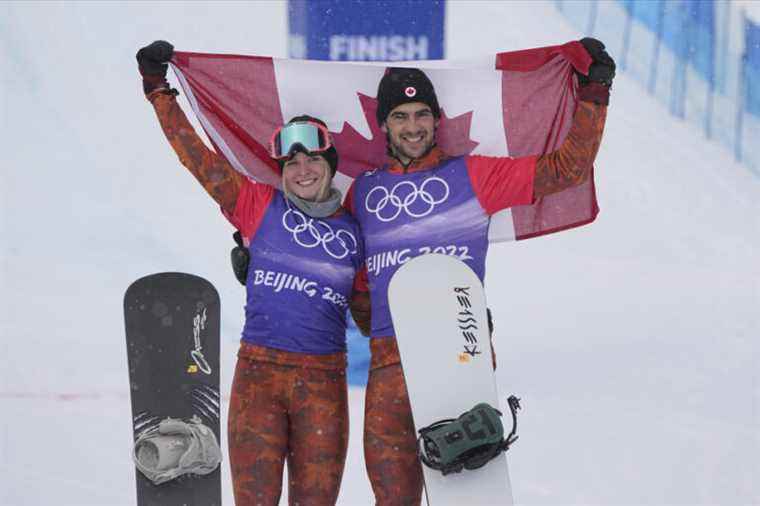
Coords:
pixel 289 395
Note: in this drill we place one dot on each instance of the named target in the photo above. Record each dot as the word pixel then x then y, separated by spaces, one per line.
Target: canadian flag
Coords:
pixel 516 104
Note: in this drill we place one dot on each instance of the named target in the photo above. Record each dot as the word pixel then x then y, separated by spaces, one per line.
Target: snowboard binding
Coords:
pixel 467 442
pixel 176 447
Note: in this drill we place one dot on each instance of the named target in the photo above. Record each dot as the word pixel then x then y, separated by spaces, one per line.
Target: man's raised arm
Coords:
pixel 502 182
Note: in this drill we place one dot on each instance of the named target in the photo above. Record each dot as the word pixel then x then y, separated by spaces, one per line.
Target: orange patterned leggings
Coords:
pixel 280 412
pixel 389 440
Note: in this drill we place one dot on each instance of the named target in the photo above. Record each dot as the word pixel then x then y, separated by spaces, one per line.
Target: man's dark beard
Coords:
pixel 389 148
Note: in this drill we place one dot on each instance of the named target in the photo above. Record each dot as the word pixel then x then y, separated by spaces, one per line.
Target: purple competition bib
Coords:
pixel 300 279
pixel 406 215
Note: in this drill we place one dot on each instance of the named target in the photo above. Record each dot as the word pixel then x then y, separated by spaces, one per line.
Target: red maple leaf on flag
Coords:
pixel 358 154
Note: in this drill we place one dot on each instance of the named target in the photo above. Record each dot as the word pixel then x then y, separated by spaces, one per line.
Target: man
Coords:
pixel 422 201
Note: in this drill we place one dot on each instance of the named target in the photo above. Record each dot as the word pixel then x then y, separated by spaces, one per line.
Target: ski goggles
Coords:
pixel 300 135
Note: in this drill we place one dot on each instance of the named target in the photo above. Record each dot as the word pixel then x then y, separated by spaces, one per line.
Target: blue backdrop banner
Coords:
pixel 752 68
pixel 366 30
pixel 689 54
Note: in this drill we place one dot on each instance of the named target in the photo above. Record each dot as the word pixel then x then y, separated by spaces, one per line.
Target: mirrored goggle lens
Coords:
pixel 307 136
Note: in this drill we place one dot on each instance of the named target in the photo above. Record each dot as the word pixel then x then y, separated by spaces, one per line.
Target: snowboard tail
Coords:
pixel 445 351
pixel 172 332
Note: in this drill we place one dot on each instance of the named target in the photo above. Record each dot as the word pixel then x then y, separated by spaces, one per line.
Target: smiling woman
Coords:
pixel 290 383
pixel 304 150
pixel 306 176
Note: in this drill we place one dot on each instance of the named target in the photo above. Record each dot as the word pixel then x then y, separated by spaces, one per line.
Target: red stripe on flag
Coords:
pixel 527 60
pixel 538 106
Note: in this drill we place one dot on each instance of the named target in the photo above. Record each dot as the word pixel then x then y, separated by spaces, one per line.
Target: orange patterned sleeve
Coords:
pixel 361 308
pixel 571 164
pixel 215 173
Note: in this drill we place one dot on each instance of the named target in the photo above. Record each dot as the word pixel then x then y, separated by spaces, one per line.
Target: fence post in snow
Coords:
pixel 680 52
pixel 656 52
pixel 592 18
pixel 723 59
pixel 626 34
pixel 688 40
pixel 709 107
pixel 711 73
pixel 751 93
pixel 740 96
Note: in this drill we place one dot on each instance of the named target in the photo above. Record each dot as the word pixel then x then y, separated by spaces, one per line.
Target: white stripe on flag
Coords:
pixel 502 227
pixel 329 91
pixel 326 90
pixel 460 91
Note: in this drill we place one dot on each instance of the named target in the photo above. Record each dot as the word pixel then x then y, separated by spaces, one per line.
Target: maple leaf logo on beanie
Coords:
pixel 401 86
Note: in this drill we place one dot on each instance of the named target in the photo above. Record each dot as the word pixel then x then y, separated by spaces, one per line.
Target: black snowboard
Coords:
pixel 172 322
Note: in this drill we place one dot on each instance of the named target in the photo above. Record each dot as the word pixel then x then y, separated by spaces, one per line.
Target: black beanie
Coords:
pixel 401 86
pixel 331 154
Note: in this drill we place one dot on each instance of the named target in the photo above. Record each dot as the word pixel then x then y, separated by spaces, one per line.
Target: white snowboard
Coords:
pixel 438 308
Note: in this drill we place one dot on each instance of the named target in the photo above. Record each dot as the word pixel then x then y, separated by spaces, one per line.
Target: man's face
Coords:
pixel 307 176
pixel 411 130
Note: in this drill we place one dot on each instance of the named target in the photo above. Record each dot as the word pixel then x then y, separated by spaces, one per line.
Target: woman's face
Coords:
pixel 307 176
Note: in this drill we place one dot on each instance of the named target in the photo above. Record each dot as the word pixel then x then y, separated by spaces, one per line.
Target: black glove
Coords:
pixel 153 58
pixel 602 69
pixel 152 62
pixel 240 257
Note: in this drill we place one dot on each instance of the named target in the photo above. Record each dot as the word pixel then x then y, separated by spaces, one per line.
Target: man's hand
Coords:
pixel 602 69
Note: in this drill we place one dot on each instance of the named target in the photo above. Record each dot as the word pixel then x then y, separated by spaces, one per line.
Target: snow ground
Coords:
pixel 633 342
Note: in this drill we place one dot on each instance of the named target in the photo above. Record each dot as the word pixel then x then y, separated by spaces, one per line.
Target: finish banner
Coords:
pixel 366 30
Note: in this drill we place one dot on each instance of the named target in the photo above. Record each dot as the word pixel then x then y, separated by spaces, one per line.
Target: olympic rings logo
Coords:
pixel 311 233
pixel 405 196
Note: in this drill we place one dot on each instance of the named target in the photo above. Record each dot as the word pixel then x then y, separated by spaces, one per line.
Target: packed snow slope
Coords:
pixel 633 342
